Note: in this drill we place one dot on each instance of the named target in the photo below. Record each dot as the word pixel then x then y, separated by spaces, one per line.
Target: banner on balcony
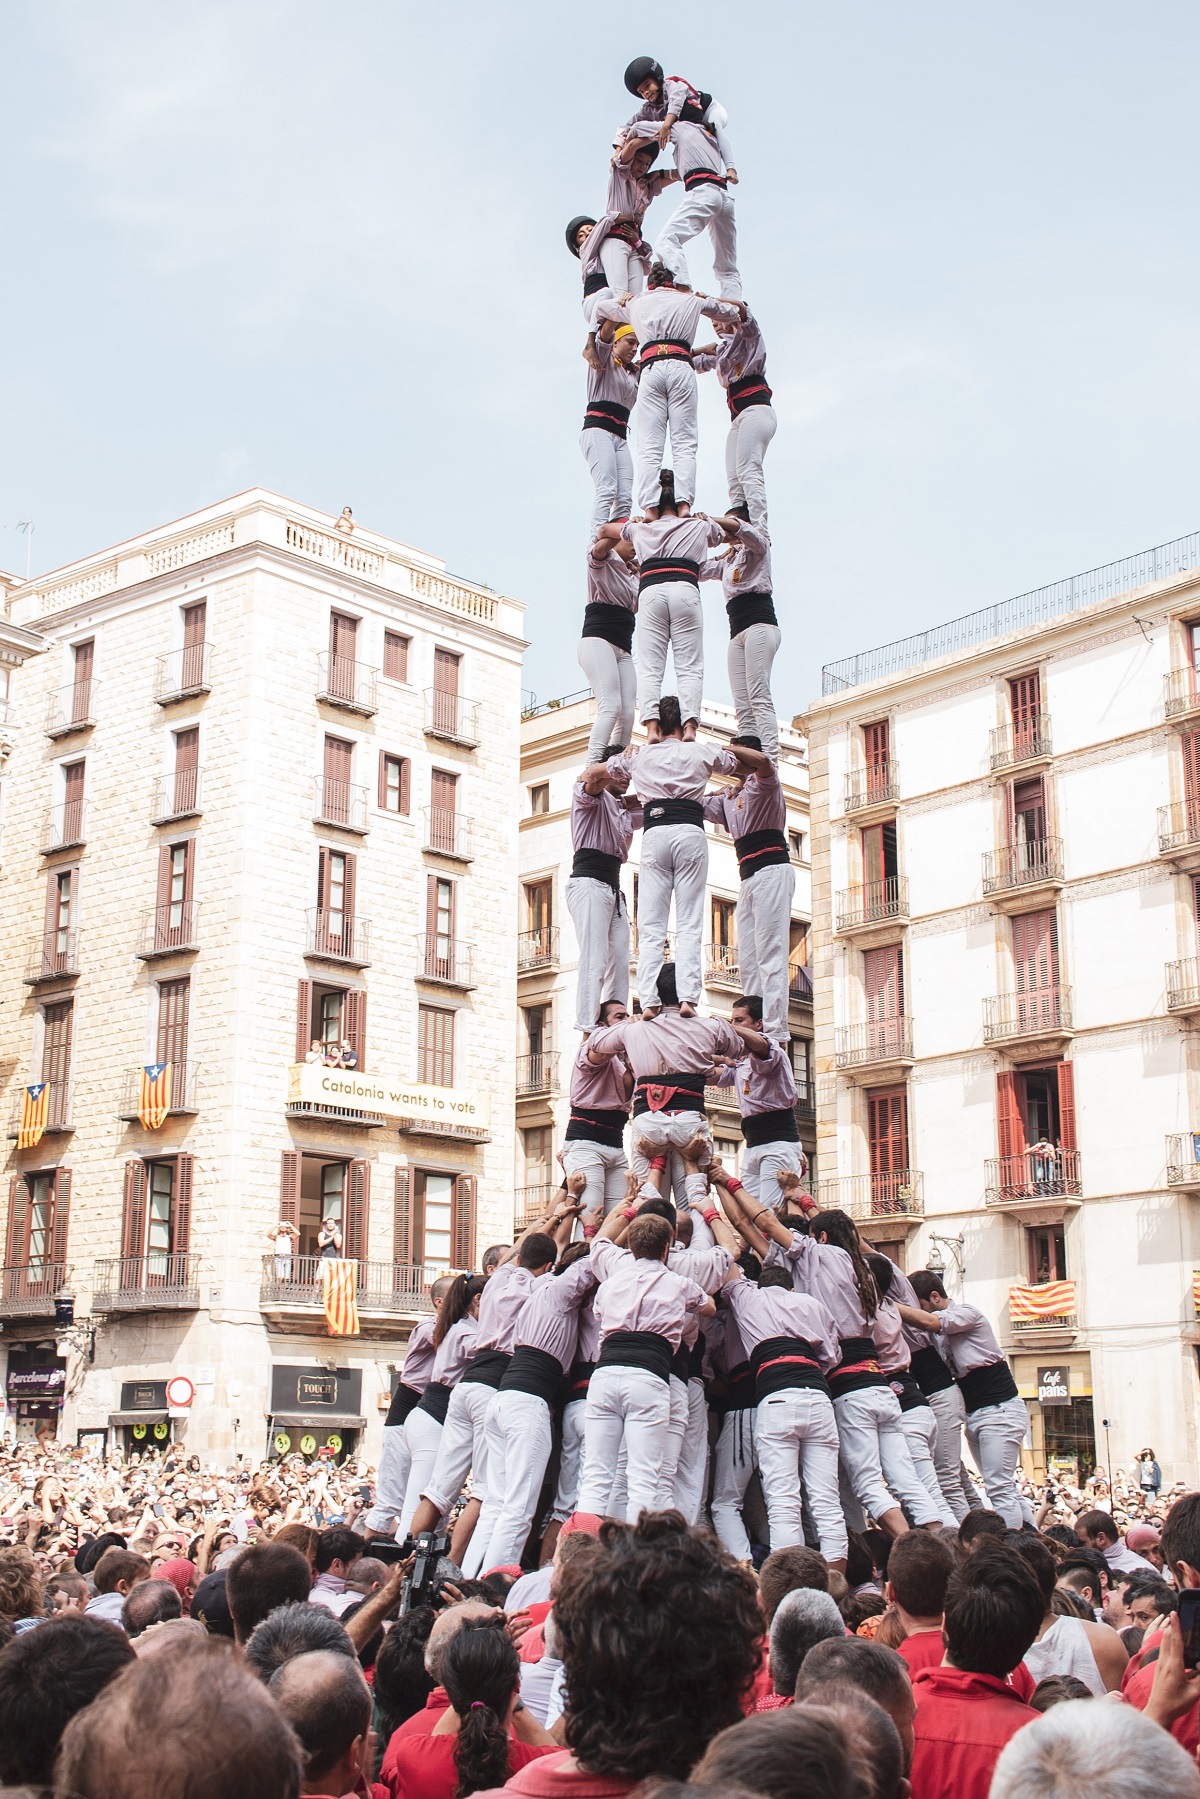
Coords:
pixel 339 1294
pixel 1028 1305
pixel 1196 1294
pixel 350 1090
pixel 35 1115
pixel 154 1095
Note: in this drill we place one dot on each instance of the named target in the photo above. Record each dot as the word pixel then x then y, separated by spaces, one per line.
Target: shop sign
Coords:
pixel 37 1383
pixel 143 1395
pixel 1054 1385
pixel 295 1389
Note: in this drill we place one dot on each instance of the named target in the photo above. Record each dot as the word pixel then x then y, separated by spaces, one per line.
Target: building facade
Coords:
pixel 553 752
pixel 258 820
pixel 1006 882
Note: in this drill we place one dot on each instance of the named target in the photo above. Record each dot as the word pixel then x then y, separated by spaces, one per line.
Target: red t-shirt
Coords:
pixel 422 1722
pixel 924 1649
pixel 423 1767
pixel 1185 1730
pixel 549 1779
pixel 963 1721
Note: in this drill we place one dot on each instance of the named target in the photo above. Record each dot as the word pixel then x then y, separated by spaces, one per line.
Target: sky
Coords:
pixel 319 248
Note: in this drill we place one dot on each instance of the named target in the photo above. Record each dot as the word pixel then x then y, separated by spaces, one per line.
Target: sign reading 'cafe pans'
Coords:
pixel 1054 1385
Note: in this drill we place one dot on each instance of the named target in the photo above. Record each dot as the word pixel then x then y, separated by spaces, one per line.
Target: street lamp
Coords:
pixel 935 1261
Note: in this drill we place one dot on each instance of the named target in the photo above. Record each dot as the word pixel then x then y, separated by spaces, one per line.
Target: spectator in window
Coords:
pixel 348 1058
pixel 329 1240
pixel 283 1238
pixel 316 1051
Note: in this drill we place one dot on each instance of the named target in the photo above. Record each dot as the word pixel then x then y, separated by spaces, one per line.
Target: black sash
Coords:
pixel 672 812
pixel 613 623
pixel 404 1400
pixel 607 415
pixel 739 1393
pixel 593 283
pixel 694 111
pixel 696 1358
pixel 533 1371
pixel 597 1124
pixel 487 1368
pixel 770 1127
pixel 750 390
pixel 989 1385
pixel 637 1349
pixel 578 1380
pixel 857 1368
pixel 760 849
pixel 598 865
pixel 746 609
pixel 930 1370
pixel 702 178
pixel 668 1093
pixel 781 1362
pixel 681 1365
pixel 665 349
pixel 435 1400
pixel 655 570
pixel 907 1390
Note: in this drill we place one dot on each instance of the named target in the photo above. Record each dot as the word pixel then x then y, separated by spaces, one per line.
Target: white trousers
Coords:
pixel 570 1461
pixel 751 654
pixel 691 1470
pixel 674 861
pixel 602 933
pixel 920 1431
pixel 624 268
pixel 603 1166
pixel 519 1440
pixel 762 1163
pixel 706 208
pixel 996 1433
pixel 611 465
pixel 670 613
pixel 666 402
pixel 734 1461
pixel 612 677
pixel 632 1408
pixel 669 1131
pixel 875 1456
pixel 745 447
pixel 764 913
pixel 391 1479
pixel 463 1448
pixel 423 1437
pixel 951 1414
pixel 796 1436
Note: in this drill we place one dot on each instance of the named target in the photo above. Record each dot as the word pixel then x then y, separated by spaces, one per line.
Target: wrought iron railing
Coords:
pixel 182 673
pixel 448 833
pixel 185 1085
pixel 877 1040
pixel 1183 1159
pixel 168 929
pixel 1178 825
pixel 876 785
pixel 875 902
pixel 341 803
pixel 71 709
pixel 1029 864
pixel 800 987
pixel 60 1107
pixel 66 826
pixel 1046 1173
pixel 538 949
pixel 290 1281
pixel 1183 985
pixel 445 959
pixel 158 1282
pixel 1026 740
pixel 51 956
pixel 339 936
pixel 177 795
pixel 1181 692
pixel 721 966
pixel 1044 1011
pixel 346 683
pixel 532 1203
pixel 450 716
pixel 898 1193
pixel 537 1073
pixel 29 1291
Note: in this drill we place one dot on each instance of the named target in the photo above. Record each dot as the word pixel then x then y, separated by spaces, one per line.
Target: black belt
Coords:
pixel 613 623
pixel 487 1368
pixel 746 609
pixel 598 865
pixel 696 1357
pixel 655 570
pixel 739 1393
pixel 681 1365
pixel 533 1371
pixel 989 1385
pixel 702 177
pixel 761 849
pixel 404 1400
pixel 597 1124
pixel 930 1370
pixel 593 283
pixel 770 1127
pixel 672 812
pixel 607 415
pixel 665 1092
pixel 858 1367
pixel 435 1400
pixel 907 1390
pixel 751 390
pixel 665 349
pixel 782 1362
pixel 637 1349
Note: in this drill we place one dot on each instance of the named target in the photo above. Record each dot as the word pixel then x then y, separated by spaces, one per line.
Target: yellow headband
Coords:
pixel 623 331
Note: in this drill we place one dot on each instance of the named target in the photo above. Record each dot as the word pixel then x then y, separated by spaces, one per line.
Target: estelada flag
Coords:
pixel 154 1095
pixel 35 1115
pixel 339 1294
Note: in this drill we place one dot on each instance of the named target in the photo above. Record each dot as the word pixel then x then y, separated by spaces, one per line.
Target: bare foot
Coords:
pixel 689 731
pixel 651 1011
pixel 686 1009
pixel 653 731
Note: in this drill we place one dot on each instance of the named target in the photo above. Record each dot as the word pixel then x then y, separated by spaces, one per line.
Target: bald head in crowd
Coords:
pixel 446 1625
pixel 327 1702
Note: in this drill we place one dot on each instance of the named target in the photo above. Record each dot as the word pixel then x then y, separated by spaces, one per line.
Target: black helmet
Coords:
pixel 573 231
pixel 641 69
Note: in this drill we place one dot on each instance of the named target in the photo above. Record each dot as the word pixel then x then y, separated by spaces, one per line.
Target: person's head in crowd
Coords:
pixel 856 1608
pixel 182 1575
pixel 162 1639
pixel 119 1571
pixel 211 1605
pixel 481 1673
pixel 87 1557
pixel 1181 1540
pixel 367 1575
pixel 263 1576
pixel 1094 1751
pixel 872 1738
pixel 860 1561
pixel 980 1524
pixel 492 1257
pixel 296 1628
pixel 1147 1600
pixel 67 1592
pixel 338 1548
pixel 649 1683
pixel 1078 1577
pixel 785 1570
pixel 46 1676
pixel 1097 1530
pixel 1064 1537
pixel 447 1624
pixel 1146 1541
pixel 1056 1689
pixel 20 1584
pixel 869 1668
pixel 993 1612
pixel 1067 1603
pixel 302 1537
pixel 538 1253
pixel 402 1684
pixel 649 1239
pixel 1132 1636
pixel 327 1702
pixel 797 1753
pixel 919 1569
pixel 802 1619
pixel 189 1725
pixel 1038 1560
pixel 151 1602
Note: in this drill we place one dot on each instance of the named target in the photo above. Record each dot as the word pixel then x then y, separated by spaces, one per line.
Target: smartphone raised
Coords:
pixel 1189 1625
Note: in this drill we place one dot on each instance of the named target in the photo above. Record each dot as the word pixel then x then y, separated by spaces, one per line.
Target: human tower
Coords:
pixel 667 1329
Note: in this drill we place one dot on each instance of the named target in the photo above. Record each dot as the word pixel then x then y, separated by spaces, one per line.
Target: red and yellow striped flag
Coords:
pixel 1054 1300
pixel 154 1095
pixel 1196 1293
pixel 35 1115
pixel 339 1295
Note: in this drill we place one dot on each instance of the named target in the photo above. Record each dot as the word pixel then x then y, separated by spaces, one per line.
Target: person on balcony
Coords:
pixel 766 1097
pixel 316 1051
pixel 347 1056
pixel 283 1238
pixel 329 1240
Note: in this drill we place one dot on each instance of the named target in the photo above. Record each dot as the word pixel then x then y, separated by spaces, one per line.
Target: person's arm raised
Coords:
pixel 919 1320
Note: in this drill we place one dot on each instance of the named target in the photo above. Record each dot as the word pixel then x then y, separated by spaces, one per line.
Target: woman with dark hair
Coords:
pixel 454 1344
pixel 472 1745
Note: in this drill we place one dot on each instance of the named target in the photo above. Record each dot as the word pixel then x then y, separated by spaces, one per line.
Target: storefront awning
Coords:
pixel 138 1417
pixel 327 1421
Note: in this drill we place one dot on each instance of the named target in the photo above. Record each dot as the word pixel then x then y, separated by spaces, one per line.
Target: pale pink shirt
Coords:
pixel 455 1352
pixel 708 1268
pixel 613 380
pixel 740 354
pixel 612 582
pixel 550 1320
pixel 689 537
pixel 598 1089
pixel 694 148
pixel 589 1330
pixel 672 769
pixel 641 1295
pixel 764 1083
pixel 419 1357
pixel 501 1304
pixel 970 1342
pixel 628 194
pixel 745 569
pixel 664 313
pixel 825 1272
pixel 766 1312
pixel 599 821
pixel 759 806
pixel 888 1332
pixel 667 1044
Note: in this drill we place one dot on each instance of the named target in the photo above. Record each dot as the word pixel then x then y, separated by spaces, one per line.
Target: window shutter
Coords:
pixel 164 875
pixel 18 1206
pixel 323 880
pixel 1035 951
pixel 1010 1128
pixel 181 1206
pixel 381 795
pixel 354 1228
pixel 405 786
pixel 303 1018
pixel 62 1214
pixel 882 981
pixel 189 869
pixel 133 1221
pixel 402 1232
pixel 350 871
pixel 1191 765
pixel 1066 1105
pixel 431 909
pixel 354 1024
pixel 462 1221
pixel 289 1187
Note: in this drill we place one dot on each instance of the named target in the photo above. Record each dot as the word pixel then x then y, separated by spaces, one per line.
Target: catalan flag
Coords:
pixel 35 1115
pixel 339 1295
pixel 154 1095
pixel 1196 1292
pixel 1027 1305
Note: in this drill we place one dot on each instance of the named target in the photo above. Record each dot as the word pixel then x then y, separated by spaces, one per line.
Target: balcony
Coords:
pixel 1183 988
pixel 448 834
pixel 537 1074
pixel 60 1111
pixel 537 949
pixel 185 1085
pixel 177 796
pixel 71 709
pixel 66 827
pixel 384 1290
pixel 1179 833
pixel 349 1116
pixel 170 930
pixel 1023 876
pixel 1039 1186
pixel 1183 1159
pixel 1029 1025
pixel 880 1049
pixel 800 987
pixel 806 1102
pixel 873 789
pixel 349 685
pixel 724 1098
pixel 30 1291
pixel 52 956
pixel 887 1207
pixel 452 719
pixel 183 674
pixel 1044 1315
pixel 721 967
pixel 532 1203
pixel 1181 693
pixel 338 937
pixel 342 804
pixel 1022 744
pixel 874 913
pixel 155 1283
pixel 444 961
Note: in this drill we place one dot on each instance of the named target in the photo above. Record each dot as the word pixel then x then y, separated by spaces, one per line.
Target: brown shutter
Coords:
pixel 405 786
pixel 381 793
pixel 15 1251
pixel 402 1232
pixel 883 983
pixel 194 620
pixel 445 672
pixel 174 1007
pixel 350 883
pixel 289 1187
pixel 1010 1128
pixel 354 1024
pixel 1035 951
pixel 62 1215
pixel 133 1221
pixel 887 1130
pixel 303 1018
pixel 1066 1105
pixel 181 1206
pixel 164 875
pixel 323 880
pixel 462 1221
pixel 354 1224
